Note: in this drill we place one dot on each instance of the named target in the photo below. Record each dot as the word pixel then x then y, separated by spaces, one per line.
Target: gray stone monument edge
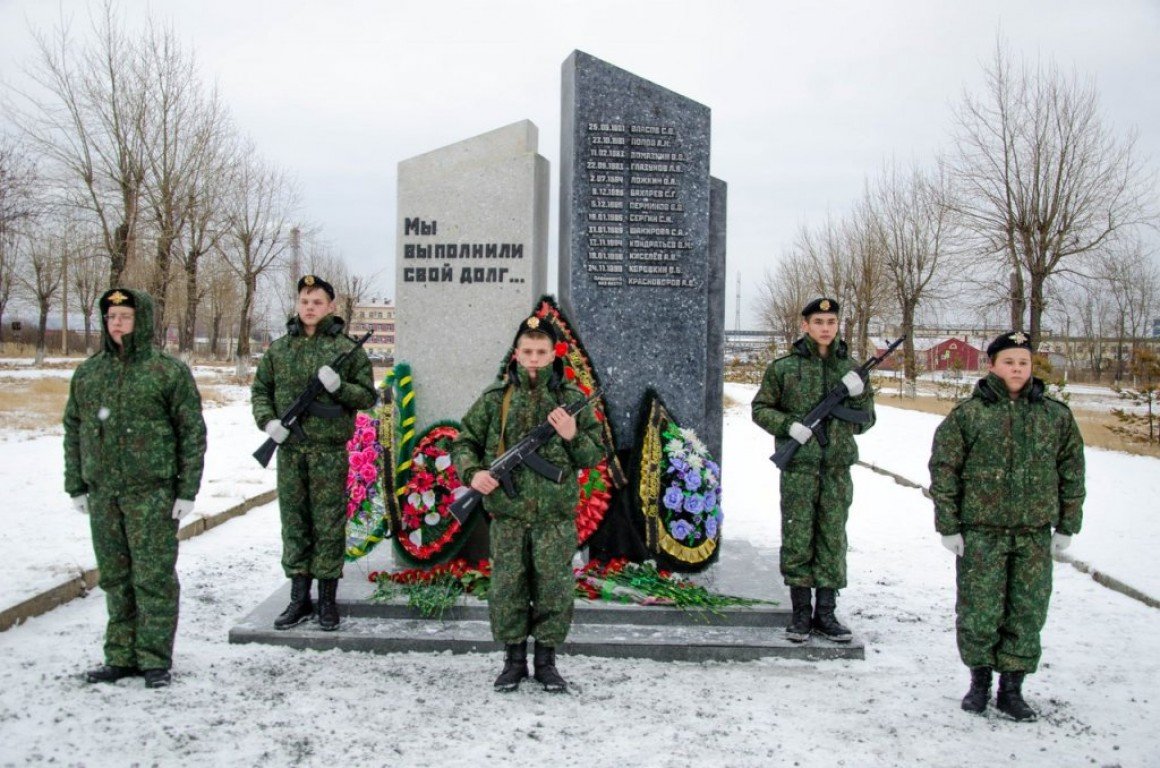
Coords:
pixel 715 343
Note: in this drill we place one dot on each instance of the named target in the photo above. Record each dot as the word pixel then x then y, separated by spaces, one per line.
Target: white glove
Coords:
pixel 181 508
pixel 854 384
pixel 81 503
pixel 276 431
pixel 1059 542
pixel 954 543
pixel 800 432
pixel 329 378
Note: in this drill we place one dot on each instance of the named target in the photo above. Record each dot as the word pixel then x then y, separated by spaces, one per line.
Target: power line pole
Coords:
pixel 737 319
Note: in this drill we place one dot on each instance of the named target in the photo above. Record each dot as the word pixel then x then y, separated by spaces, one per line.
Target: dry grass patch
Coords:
pixel 32 404
pixel 1093 425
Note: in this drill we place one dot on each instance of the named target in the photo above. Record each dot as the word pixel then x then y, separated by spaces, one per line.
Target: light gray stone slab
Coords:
pixel 471 260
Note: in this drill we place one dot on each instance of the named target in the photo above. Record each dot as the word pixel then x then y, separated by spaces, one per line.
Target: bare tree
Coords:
pixel 87 275
pixel 258 234
pixel 188 141
pixel 42 276
pixel 912 217
pixel 863 260
pixel 87 121
pixel 782 294
pixel 221 289
pixel 1042 180
pixel 18 208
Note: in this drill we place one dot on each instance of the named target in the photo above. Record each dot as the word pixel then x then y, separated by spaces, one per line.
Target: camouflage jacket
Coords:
pixel 793 385
pixel 478 444
pixel 133 417
pixel 1003 463
pixel 290 363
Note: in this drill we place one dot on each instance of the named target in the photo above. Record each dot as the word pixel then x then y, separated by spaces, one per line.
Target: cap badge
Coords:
pixel 1019 337
pixel 533 322
pixel 116 297
pixel 825 305
pixel 308 280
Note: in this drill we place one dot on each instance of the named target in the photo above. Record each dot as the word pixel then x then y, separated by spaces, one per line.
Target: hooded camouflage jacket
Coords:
pixel 289 365
pixel 1003 463
pixel 478 444
pixel 133 417
pixel 793 385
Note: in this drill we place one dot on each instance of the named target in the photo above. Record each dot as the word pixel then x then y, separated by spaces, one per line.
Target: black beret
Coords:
pixel 314 281
pixel 117 297
pixel 533 324
pixel 820 305
pixel 1009 340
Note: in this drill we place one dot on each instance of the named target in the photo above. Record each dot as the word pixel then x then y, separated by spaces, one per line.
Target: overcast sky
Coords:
pixel 807 99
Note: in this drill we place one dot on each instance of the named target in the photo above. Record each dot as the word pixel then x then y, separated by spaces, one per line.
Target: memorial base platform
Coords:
pixel 663 633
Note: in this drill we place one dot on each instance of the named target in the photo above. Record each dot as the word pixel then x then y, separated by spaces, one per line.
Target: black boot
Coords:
pixel 110 673
pixel 300 607
pixel 798 630
pixel 976 698
pixel 157 678
pixel 825 622
pixel 328 604
pixel 546 673
pixel 515 667
pixel 1010 698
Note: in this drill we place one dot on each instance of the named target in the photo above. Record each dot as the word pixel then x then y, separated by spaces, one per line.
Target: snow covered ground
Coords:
pixel 1098 689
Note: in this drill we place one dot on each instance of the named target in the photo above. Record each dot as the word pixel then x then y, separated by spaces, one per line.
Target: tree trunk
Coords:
pixel 41 333
pixel 1035 327
pixel 188 331
pixel 215 335
pixel 244 322
pixel 88 334
pixel 910 369
pixel 1018 303
pixel 119 258
pixel 163 258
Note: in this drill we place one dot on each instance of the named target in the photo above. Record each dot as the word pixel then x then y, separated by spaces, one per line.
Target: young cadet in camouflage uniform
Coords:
pixel 134 443
pixel 533 536
pixel 816 489
pixel 1007 466
pixel 312 472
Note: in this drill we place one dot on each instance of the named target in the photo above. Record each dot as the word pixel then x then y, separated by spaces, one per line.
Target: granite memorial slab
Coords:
pixel 635 262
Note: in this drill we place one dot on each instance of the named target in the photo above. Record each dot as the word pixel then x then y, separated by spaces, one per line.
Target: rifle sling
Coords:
pixel 504 407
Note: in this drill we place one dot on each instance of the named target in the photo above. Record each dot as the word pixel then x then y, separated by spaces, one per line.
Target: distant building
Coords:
pixel 953 355
pixel 1156 327
pixel 376 315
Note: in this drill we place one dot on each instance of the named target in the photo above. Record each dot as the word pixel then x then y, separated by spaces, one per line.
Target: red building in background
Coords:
pixel 953 354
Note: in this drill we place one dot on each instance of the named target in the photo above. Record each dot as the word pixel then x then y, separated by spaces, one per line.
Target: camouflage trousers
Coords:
pixel 814 506
pixel 312 503
pixel 532 588
pixel 1004 586
pixel 135 540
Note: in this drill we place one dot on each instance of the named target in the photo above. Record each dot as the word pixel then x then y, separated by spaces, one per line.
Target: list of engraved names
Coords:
pixel 636 217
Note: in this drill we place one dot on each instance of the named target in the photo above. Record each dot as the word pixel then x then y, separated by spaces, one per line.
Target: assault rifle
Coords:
pixel 831 407
pixel 523 452
pixel 291 419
